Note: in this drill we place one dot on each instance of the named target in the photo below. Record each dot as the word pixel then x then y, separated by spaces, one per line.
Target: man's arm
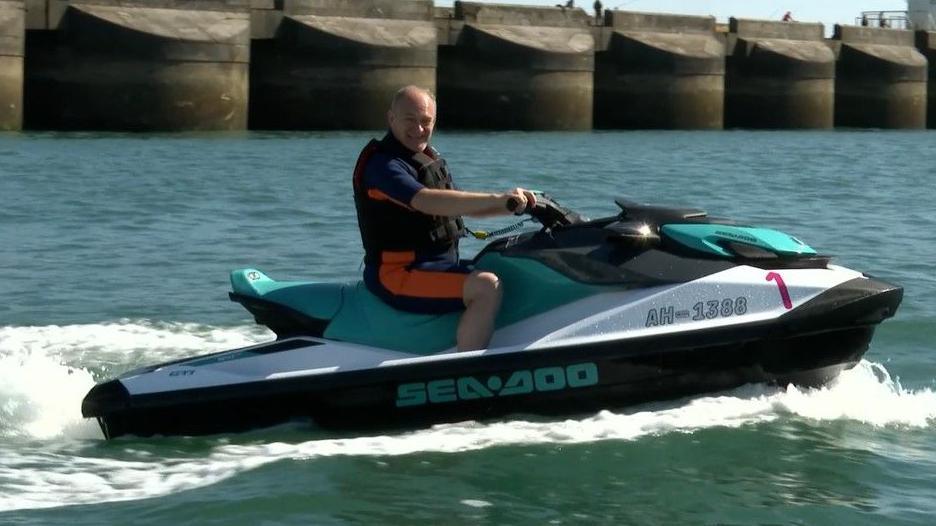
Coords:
pixel 458 203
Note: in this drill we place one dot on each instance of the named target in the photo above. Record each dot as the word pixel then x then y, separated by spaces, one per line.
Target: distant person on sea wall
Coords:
pixel 597 6
pixel 409 214
pixel 788 17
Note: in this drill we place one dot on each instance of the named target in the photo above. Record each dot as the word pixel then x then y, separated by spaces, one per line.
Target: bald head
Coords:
pixel 412 117
pixel 411 95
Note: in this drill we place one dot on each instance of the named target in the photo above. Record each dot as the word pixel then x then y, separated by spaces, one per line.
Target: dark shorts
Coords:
pixel 432 287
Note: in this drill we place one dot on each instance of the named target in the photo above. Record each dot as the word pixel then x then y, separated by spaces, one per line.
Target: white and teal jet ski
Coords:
pixel 650 304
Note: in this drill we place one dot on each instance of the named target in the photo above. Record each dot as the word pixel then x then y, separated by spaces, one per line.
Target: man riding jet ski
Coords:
pixel 410 216
pixel 651 303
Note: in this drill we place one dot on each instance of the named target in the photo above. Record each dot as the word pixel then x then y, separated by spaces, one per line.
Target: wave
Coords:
pixel 122 341
pixel 45 371
pixel 40 398
pixel 55 457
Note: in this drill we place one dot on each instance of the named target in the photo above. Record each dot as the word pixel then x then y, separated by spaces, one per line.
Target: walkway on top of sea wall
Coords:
pixel 154 65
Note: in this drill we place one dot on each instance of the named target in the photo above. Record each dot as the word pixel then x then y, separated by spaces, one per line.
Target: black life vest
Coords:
pixel 387 226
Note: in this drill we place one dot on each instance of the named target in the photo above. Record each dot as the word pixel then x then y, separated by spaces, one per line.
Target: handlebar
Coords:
pixel 513 203
pixel 546 211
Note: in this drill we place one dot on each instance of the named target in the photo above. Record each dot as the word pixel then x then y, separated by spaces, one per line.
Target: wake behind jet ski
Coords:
pixel 652 303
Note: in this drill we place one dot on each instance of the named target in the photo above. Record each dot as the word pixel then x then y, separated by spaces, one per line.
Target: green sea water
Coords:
pixel 115 251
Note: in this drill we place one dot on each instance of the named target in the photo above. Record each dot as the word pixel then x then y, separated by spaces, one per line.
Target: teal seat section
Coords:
pixel 530 288
pixel 367 320
pixel 709 238
pixel 358 316
pixel 317 300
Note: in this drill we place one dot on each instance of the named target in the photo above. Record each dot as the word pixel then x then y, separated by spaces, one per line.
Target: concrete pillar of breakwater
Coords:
pixel 880 79
pixel 138 65
pixel 779 75
pixel 659 71
pixel 12 29
pixel 926 44
pixel 335 64
pixel 511 67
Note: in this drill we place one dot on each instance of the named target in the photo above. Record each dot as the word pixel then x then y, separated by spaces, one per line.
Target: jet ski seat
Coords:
pixel 316 300
pixel 350 313
pixel 366 319
pixel 340 311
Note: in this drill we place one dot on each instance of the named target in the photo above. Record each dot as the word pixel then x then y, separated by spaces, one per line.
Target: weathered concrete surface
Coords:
pixel 385 9
pixel 505 71
pixel 48 14
pixel 880 79
pixel 926 44
pixel 12 30
pixel 519 15
pixel 660 71
pixel 779 75
pixel 265 19
pixel 125 67
pixel 340 72
pixel 36 14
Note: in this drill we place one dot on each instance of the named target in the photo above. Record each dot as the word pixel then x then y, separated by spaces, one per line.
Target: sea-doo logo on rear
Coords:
pixel 519 382
pixel 736 235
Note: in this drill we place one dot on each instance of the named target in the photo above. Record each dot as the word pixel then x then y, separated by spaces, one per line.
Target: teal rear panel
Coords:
pixel 318 300
pixel 708 238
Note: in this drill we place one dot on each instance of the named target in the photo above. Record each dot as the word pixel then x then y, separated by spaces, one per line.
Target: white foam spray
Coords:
pixel 40 398
pixel 46 371
pixel 66 471
pixel 126 342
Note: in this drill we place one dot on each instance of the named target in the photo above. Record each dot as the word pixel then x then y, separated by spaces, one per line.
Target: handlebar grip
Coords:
pixel 512 204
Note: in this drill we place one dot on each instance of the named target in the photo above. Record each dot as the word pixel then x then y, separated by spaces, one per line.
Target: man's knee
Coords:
pixel 482 285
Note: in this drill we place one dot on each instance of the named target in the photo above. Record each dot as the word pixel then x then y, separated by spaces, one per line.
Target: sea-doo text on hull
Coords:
pixel 651 304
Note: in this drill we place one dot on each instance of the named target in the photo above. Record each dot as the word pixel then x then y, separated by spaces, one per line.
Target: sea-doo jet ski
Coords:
pixel 652 303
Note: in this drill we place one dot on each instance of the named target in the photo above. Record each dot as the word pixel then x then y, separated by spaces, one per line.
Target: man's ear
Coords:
pixel 389 117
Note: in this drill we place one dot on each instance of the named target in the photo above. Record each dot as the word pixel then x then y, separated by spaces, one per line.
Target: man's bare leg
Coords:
pixel 482 293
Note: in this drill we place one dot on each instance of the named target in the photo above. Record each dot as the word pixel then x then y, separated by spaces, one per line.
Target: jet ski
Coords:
pixel 652 303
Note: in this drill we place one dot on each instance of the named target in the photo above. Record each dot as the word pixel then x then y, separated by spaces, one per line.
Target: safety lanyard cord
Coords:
pixel 481 234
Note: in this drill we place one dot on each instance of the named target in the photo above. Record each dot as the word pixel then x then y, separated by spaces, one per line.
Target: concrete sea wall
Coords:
pixel 153 65
pixel 926 44
pixel 659 71
pixel 779 75
pixel 880 79
pixel 139 65
pixel 334 64
pixel 503 67
pixel 12 33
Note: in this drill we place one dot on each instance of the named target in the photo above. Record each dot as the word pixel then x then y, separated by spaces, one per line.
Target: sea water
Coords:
pixel 115 251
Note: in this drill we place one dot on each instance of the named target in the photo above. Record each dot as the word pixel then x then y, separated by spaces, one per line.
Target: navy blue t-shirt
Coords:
pixel 389 174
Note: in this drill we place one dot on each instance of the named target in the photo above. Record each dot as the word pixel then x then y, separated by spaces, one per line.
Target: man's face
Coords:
pixel 412 120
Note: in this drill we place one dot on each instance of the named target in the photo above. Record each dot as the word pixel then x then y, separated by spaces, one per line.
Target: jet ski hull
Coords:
pixel 808 346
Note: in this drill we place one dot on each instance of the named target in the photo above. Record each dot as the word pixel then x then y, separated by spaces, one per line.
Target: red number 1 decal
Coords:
pixel 784 293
